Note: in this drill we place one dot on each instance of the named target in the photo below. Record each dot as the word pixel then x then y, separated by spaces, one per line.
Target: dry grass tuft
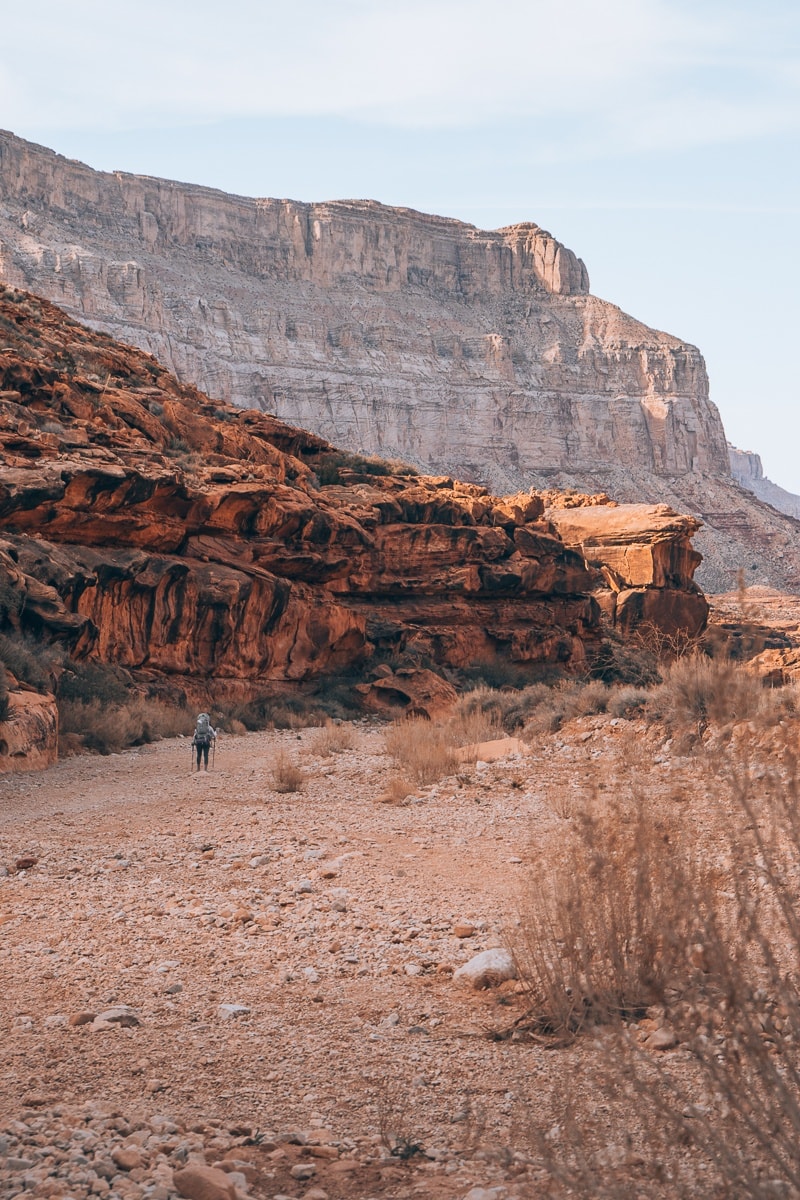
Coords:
pixel 397 791
pixel 285 775
pixel 334 737
pixel 422 750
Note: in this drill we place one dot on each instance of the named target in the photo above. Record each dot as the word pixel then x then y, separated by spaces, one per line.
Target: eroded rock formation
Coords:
pixel 149 527
pixel 646 558
pixel 473 353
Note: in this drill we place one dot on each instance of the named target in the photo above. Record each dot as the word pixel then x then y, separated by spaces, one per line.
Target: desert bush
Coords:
pixel 725 1119
pixel 332 738
pixel 422 749
pixel 697 691
pixel 625 701
pixel 33 662
pixel 331 466
pixel 565 703
pixel 285 775
pixel 396 791
pixel 603 930
pixel 110 728
pixel 634 662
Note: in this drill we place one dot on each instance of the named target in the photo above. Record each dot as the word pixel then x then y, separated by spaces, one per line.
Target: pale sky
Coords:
pixel 658 139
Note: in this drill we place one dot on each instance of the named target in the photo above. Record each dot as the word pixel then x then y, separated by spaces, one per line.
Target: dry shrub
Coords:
pixel 507 709
pixel 422 749
pixel 109 729
pixel 603 928
pixel 625 701
pixel 721 1119
pixel 285 775
pixel 697 691
pixel 334 737
pixel 397 790
pixel 565 703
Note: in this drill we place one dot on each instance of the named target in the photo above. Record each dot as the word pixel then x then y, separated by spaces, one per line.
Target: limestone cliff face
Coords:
pixel 385 330
pixel 748 471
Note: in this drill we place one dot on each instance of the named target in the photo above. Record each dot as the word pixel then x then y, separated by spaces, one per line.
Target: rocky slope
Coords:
pixel 146 526
pixel 476 353
pixel 748 471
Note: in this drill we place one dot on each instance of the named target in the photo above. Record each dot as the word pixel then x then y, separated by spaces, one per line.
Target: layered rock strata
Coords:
pixel 748 471
pixel 149 527
pixel 480 354
pixel 646 558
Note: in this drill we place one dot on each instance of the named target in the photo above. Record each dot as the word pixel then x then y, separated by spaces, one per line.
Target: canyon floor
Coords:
pixel 287 960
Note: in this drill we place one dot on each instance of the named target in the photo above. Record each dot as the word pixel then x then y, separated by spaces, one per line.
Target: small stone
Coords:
pixel 231 1012
pixel 127 1158
pixel 463 929
pixel 57 1021
pixel 662 1039
pixel 323 1152
pixel 197 1182
pixel 121 1014
pixel 25 862
pixel 303 1171
pixel 315 1193
pixel 311 976
pixel 82 1018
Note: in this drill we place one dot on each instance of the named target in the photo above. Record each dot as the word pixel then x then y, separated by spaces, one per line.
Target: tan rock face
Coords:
pixel 645 555
pixel 385 330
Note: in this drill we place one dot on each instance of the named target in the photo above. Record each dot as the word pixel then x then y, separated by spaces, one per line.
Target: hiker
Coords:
pixel 203 738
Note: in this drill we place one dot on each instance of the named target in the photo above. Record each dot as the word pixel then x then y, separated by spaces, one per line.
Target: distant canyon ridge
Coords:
pixel 477 354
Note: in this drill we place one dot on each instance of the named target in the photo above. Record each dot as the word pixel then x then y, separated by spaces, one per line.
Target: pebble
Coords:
pixel 230 1012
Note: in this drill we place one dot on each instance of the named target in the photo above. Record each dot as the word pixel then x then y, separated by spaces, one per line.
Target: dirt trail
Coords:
pixel 325 914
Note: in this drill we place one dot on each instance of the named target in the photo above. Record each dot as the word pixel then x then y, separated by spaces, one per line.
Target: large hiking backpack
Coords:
pixel 202 732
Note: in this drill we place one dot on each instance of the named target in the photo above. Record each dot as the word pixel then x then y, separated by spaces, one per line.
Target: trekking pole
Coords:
pixel 213 753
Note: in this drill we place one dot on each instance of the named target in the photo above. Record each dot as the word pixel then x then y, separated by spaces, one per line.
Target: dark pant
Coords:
pixel 202 749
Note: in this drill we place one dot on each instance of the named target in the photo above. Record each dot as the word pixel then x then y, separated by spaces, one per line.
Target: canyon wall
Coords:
pixel 748 471
pixel 479 354
pixel 148 527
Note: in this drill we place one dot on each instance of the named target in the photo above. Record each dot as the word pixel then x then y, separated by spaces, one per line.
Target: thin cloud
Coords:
pixel 628 72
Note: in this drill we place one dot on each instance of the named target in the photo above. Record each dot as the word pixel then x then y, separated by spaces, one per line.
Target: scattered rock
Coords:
pixel 487 969
pixel 662 1039
pixel 231 1012
pixel 196 1182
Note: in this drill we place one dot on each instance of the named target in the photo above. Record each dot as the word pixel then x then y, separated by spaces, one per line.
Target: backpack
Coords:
pixel 202 732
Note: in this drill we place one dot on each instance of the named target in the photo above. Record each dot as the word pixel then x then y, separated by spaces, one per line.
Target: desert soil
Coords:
pixel 333 920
